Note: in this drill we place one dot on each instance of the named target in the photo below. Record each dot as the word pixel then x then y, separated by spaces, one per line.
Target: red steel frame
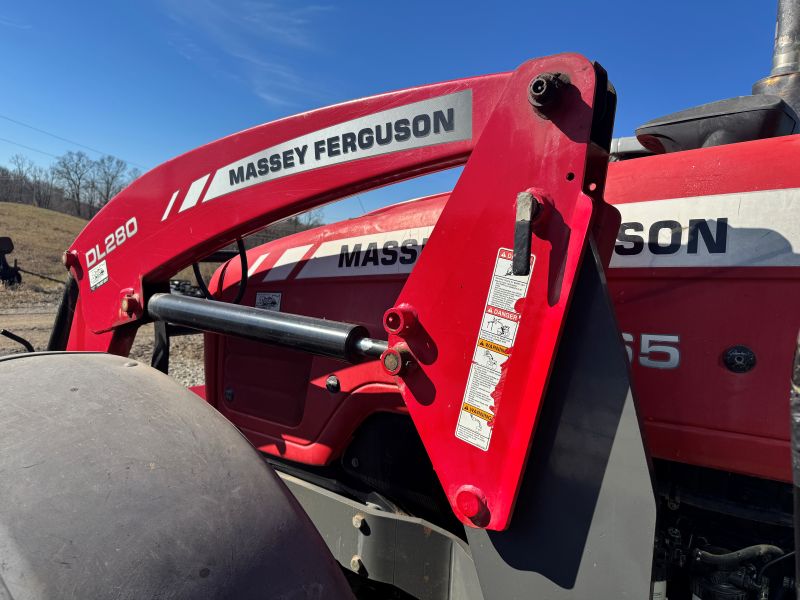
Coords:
pixel 512 149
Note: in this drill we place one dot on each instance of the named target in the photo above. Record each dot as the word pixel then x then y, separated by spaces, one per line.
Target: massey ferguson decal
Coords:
pixel 632 238
pixel 426 123
pixel 388 253
pixel 758 229
pixel 728 230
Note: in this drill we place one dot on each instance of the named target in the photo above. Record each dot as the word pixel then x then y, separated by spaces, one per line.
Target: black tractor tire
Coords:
pixel 116 482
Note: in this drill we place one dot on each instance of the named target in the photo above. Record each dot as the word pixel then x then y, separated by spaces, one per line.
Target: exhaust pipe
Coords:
pixel 784 79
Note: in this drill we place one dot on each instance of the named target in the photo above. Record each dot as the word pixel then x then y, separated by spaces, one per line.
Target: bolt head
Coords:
pixel 400 320
pixel 544 90
pixel 355 563
pixel 229 394
pixel 391 361
pixel 471 503
pixel 358 521
pixel 394 360
pixel 69 259
pixel 739 359
pixel 332 384
pixel 468 503
pixel 129 304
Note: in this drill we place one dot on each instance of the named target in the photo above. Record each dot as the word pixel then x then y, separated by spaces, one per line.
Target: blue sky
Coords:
pixel 151 79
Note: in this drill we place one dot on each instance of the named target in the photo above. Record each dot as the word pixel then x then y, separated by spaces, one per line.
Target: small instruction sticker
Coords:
pixel 268 300
pixel 98 275
pixel 496 336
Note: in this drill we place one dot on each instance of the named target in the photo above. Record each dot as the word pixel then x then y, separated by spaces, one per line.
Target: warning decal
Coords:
pixel 98 275
pixel 496 336
pixel 493 347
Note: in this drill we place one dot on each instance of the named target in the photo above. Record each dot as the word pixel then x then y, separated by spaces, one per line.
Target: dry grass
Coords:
pixel 40 237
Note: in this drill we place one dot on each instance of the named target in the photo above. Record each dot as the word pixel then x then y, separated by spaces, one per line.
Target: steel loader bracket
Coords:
pixel 485 336
pixel 474 333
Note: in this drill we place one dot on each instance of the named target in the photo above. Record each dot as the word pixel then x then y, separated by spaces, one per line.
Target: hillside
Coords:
pixel 40 237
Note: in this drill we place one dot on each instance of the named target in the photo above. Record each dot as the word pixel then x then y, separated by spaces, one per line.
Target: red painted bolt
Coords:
pixel 130 304
pixel 400 320
pixel 471 503
pixel 70 259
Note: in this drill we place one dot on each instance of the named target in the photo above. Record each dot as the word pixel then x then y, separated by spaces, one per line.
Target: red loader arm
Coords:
pixel 480 316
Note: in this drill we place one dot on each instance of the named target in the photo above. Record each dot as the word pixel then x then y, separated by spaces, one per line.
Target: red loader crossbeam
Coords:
pixel 474 332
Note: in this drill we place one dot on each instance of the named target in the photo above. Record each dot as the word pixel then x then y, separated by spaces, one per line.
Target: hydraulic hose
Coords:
pixel 734 559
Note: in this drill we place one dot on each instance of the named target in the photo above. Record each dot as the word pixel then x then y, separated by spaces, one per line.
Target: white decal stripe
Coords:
pixel 286 263
pixel 193 195
pixel 256 264
pixel 169 206
pixel 762 230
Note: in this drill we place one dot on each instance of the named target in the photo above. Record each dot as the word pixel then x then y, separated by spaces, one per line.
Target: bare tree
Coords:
pixel 6 185
pixel 109 177
pixel 73 171
pixel 44 186
pixel 22 167
pixel 312 218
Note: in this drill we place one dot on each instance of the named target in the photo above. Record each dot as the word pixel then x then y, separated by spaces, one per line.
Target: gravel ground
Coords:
pixel 185 355
pixel 29 312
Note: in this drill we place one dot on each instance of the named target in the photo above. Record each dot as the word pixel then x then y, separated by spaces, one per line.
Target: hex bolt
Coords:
pixel 356 564
pixel 332 384
pixel 544 91
pixel 358 521
pixel 229 394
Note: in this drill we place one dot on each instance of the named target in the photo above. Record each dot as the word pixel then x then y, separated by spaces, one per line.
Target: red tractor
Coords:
pixel 568 378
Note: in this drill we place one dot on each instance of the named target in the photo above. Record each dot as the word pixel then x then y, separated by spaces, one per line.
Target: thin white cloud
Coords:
pixel 272 99
pixel 249 34
pixel 6 22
